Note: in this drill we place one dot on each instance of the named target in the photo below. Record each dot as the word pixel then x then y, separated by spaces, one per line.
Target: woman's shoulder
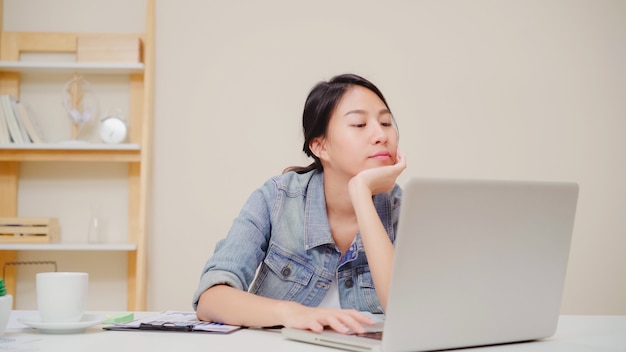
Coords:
pixel 293 182
pixel 292 178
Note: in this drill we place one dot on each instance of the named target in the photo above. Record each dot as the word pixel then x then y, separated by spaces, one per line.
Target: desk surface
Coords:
pixel 574 334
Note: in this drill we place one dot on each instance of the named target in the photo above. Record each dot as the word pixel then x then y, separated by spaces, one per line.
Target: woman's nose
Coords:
pixel 379 134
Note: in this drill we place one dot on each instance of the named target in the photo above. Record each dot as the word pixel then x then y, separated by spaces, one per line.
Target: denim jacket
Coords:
pixel 283 227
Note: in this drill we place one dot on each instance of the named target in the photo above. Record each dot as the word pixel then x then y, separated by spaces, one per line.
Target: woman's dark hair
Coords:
pixel 318 108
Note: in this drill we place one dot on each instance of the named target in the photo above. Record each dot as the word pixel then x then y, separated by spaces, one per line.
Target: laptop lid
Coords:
pixel 477 262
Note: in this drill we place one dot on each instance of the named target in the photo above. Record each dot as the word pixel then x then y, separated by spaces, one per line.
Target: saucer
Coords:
pixel 63 328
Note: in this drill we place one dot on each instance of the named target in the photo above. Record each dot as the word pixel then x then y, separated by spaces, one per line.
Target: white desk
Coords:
pixel 575 334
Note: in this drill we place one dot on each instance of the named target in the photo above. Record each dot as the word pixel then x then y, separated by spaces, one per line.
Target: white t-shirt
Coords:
pixel 331 300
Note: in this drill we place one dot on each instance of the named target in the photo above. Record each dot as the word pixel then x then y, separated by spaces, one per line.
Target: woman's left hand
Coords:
pixel 379 179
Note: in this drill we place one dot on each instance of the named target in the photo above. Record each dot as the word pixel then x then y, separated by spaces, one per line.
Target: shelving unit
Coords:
pixel 72 67
pixel 68 247
pixel 128 152
pixel 136 153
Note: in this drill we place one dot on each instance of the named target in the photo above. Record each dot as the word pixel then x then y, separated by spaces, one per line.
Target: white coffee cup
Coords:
pixel 61 296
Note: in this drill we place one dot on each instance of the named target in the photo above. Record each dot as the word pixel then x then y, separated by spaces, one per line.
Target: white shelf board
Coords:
pixel 71 146
pixel 70 67
pixel 68 247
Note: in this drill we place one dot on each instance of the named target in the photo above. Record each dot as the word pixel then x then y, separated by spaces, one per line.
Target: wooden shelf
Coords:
pixel 96 58
pixel 71 67
pixel 123 247
pixel 127 152
pixel 70 146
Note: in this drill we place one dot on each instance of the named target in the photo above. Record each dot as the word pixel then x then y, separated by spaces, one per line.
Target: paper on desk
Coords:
pixel 13 341
pixel 18 343
pixel 174 319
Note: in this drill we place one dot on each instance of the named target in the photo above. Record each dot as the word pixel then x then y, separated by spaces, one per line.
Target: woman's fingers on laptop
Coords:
pixel 349 321
pixel 341 320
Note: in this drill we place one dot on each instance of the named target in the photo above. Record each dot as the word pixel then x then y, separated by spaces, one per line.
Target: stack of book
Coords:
pixel 16 125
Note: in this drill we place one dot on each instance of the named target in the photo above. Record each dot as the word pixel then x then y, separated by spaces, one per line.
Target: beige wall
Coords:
pixel 526 89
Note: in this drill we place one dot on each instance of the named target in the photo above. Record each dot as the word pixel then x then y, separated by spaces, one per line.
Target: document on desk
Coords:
pixel 173 321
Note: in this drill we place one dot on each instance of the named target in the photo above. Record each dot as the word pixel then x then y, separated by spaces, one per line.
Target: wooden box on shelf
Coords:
pixel 29 230
pixel 108 48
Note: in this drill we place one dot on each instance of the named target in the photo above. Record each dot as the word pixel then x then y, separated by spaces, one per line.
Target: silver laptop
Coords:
pixel 477 262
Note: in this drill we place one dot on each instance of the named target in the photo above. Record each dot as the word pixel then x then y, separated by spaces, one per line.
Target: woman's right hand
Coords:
pixel 295 315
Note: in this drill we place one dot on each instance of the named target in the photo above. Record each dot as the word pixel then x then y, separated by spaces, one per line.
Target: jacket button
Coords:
pixel 286 271
pixel 349 283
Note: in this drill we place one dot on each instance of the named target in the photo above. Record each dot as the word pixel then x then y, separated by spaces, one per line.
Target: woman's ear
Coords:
pixel 317 147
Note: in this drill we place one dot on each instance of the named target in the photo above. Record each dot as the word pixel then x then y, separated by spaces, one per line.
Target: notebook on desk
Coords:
pixel 477 262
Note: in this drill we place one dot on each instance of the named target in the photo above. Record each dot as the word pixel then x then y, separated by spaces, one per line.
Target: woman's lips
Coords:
pixel 381 156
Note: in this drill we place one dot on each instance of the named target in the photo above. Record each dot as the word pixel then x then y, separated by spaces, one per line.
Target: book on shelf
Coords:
pixel 5 137
pixel 14 133
pixel 20 123
pixel 31 126
pixel 13 124
pixel 20 127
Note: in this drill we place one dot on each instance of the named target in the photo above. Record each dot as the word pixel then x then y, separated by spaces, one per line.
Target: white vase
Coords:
pixel 6 304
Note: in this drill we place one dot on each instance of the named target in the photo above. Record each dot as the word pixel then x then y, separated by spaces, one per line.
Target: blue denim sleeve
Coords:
pixel 237 256
pixel 396 203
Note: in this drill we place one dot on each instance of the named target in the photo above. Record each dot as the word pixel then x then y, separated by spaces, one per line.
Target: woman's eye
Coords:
pixel 358 125
pixel 386 124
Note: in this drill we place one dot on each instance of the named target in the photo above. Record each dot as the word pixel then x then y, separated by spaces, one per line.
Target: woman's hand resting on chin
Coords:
pixel 378 179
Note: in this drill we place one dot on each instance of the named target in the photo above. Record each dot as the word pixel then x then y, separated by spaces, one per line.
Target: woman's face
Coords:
pixel 360 135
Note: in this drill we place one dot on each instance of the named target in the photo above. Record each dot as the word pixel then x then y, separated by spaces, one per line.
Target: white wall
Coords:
pixel 495 89
pixel 524 89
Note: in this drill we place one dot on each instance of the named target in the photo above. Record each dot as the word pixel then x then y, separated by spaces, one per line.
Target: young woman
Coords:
pixel 320 236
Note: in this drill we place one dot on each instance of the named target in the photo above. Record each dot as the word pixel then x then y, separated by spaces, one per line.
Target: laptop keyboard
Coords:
pixel 376 335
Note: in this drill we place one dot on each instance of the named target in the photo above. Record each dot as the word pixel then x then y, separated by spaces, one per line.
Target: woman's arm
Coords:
pixel 378 247
pixel 228 305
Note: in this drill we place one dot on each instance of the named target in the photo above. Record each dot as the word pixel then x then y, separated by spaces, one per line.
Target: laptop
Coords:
pixel 477 262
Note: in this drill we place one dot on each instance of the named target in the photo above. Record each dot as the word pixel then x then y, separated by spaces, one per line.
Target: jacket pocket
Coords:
pixel 282 275
pixel 369 298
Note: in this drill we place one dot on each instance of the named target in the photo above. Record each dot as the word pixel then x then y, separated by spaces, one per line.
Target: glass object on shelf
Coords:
pixel 94 234
pixel 80 102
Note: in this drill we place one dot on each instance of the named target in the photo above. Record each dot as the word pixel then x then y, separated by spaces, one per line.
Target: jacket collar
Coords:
pixel 316 227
